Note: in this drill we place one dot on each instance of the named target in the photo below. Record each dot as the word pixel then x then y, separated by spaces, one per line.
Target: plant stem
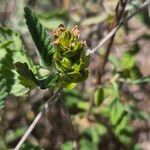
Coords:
pixel 114 30
pixel 51 101
pixel 119 13
pixel 75 143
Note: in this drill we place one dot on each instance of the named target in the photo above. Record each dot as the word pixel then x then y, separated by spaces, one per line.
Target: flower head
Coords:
pixel 70 56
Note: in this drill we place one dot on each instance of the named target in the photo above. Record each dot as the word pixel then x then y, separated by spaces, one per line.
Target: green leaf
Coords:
pixel 135 112
pixel 116 112
pixel 71 86
pixel 135 73
pixel 127 61
pixel 11 51
pixel 83 105
pixel 99 96
pixel 113 60
pixel 85 144
pixel 67 146
pixel 6 44
pixel 141 80
pixel 27 78
pixel 49 81
pixel 3 91
pixel 14 134
pixel 119 118
pixel 30 146
pixel 40 37
pixel 108 91
pixel 95 136
pixel 145 17
pixel 128 68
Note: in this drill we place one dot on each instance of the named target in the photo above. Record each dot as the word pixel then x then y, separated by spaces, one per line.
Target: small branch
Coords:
pixel 119 13
pixel 51 101
pixel 110 34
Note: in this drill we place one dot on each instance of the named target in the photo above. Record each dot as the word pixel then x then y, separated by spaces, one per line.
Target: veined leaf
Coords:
pixel 116 112
pixel 3 91
pixel 40 37
pixel 27 78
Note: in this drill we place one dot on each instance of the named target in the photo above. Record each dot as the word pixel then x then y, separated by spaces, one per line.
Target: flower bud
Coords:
pixel 70 56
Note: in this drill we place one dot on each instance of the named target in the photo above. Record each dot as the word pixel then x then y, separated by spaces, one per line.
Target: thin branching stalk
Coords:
pixel 51 101
pixel 119 13
pixel 110 34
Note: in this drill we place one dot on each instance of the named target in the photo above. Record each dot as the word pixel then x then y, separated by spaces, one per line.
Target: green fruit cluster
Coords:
pixel 70 56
